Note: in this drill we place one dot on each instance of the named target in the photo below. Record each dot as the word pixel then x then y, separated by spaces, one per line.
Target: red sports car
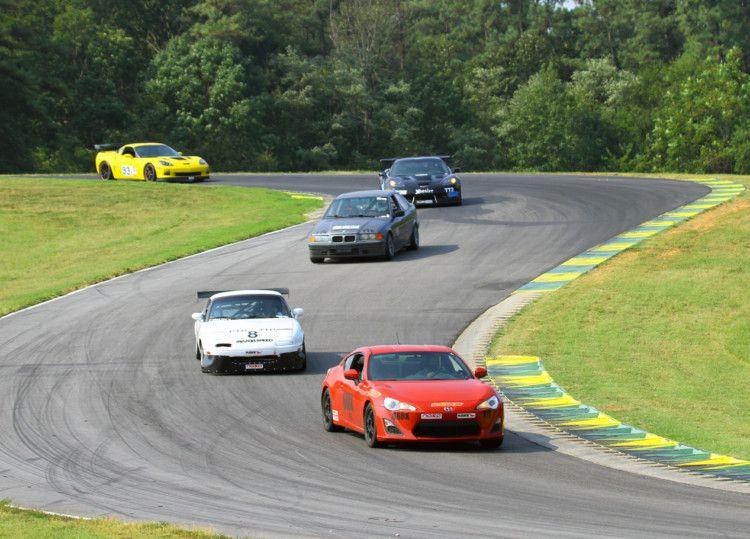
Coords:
pixel 411 393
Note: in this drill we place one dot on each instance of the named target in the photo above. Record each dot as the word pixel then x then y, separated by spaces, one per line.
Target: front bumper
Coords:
pixel 448 193
pixel 456 426
pixel 348 249
pixel 240 363
pixel 183 173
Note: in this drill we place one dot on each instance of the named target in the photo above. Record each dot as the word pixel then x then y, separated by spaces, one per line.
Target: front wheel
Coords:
pixel 390 247
pixel 491 443
pixel 414 241
pixel 149 172
pixel 325 405
pixel 316 259
pixel 371 431
pixel 303 363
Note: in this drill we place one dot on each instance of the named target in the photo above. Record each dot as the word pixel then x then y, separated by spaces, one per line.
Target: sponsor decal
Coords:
pixel 335 415
pixel 431 416
pixel 442 404
pixel 253 340
pixel 375 393
pixel 470 415
pixel 345 227
pixel 252 334
pixel 448 409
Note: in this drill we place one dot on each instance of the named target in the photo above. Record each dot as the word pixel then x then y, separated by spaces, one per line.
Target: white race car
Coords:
pixel 249 331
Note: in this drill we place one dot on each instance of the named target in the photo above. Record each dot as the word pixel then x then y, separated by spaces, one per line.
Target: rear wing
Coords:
pixel 203 294
pixel 392 159
pixel 107 146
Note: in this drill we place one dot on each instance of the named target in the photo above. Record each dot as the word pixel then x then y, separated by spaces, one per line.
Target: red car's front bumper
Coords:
pixel 445 426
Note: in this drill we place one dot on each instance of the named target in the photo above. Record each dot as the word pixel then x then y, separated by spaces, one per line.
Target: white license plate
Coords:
pixel 470 415
pixel 253 366
pixel 191 177
pixel 424 191
pixel 431 416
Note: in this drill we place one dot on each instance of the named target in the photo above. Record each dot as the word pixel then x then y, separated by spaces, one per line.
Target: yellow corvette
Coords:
pixel 148 161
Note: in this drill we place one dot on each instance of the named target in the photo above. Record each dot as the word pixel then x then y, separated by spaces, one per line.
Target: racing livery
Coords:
pixel 423 179
pixel 148 161
pixel 365 224
pixel 249 331
pixel 408 393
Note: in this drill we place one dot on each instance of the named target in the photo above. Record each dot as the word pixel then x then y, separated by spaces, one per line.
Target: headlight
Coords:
pixel 490 404
pixel 315 238
pixel 202 161
pixel 165 163
pixel 392 183
pixel 454 181
pixel 371 236
pixel 393 405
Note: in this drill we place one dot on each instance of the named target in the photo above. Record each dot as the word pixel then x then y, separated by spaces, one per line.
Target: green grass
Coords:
pixel 35 524
pixel 59 235
pixel 658 337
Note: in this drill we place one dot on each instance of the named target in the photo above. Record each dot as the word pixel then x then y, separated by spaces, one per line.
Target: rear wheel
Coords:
pixel 149 172
pixel 105 171
pixel 390 247
pixel 325 405
pixel 316 259
pixel 371 431
pixel 492 443
pixel 414 242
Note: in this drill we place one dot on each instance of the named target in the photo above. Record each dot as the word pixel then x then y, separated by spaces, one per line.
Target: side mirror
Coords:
pixel 351 374
pixel 197 316
pixel 382 174
pixel 298 312
pixel 128 155
pixel 480 372
pixel 179 153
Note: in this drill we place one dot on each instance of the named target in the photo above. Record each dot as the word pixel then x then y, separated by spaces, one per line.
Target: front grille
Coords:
pixel 446 429
pixel 186 174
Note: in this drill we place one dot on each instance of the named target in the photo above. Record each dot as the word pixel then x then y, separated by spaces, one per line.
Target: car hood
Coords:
pixel 183 160
pixel 238 330
pixel 352 225
pixel 436 394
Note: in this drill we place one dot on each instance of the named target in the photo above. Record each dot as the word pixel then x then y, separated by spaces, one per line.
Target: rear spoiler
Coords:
pixel 203 294
pixel 392 159
pixel 107 146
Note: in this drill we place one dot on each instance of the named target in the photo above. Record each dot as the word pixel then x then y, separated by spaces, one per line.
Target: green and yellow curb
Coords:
pixel 525 382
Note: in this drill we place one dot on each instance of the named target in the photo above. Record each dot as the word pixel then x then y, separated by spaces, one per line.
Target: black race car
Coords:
pixel 422 179
pixel 365 224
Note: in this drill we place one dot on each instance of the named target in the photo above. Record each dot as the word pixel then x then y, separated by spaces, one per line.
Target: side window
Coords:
pixel 205 310
pixel 128 151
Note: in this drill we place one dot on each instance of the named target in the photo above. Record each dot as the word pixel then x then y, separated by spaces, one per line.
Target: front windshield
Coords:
pixel 411 167
pixel 156 150
pixel 374 206
pixel 246 307
pixel 417 366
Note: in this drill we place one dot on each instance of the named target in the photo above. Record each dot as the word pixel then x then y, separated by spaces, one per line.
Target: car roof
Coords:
pixel 395 348
pixel 420 158
pixel 245 293
pixel 372 193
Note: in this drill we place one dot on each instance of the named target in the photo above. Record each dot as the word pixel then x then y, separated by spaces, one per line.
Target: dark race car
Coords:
pixel 423 179
pixel 365 224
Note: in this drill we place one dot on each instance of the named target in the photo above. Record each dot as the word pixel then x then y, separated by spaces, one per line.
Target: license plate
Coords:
pixel 424 191
pixel 470 415
pixel 191 177
pixel 253 366
pixel 431 416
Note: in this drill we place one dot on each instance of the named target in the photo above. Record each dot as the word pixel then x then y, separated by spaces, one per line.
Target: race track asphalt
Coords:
pixel 104 410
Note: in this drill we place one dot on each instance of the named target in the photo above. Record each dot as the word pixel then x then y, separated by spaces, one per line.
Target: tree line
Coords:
pixel 282 85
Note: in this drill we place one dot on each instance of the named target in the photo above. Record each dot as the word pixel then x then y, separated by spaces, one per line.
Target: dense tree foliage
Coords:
pixel 318 84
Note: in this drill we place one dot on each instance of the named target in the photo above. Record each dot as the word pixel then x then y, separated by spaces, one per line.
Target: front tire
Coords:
pixel 316 259
pixel 414 241
pixel 303 363
pixel 371 430
pixel 390 247
pixel 491 443
pixel 105 171
pixel 325 405
pixel 149 173
pixel 206 361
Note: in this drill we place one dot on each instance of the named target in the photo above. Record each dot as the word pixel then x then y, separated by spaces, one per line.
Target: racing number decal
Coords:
pixel 128 170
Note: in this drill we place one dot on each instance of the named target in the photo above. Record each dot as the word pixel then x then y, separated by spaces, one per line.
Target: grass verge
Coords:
pixel 659 336
pixel 36 524
pixel 59 235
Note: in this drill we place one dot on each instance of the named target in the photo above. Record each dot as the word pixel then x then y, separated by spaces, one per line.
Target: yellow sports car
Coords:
pixel 148 161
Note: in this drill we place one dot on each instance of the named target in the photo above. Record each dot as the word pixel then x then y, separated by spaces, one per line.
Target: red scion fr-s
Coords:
pixel 410 393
